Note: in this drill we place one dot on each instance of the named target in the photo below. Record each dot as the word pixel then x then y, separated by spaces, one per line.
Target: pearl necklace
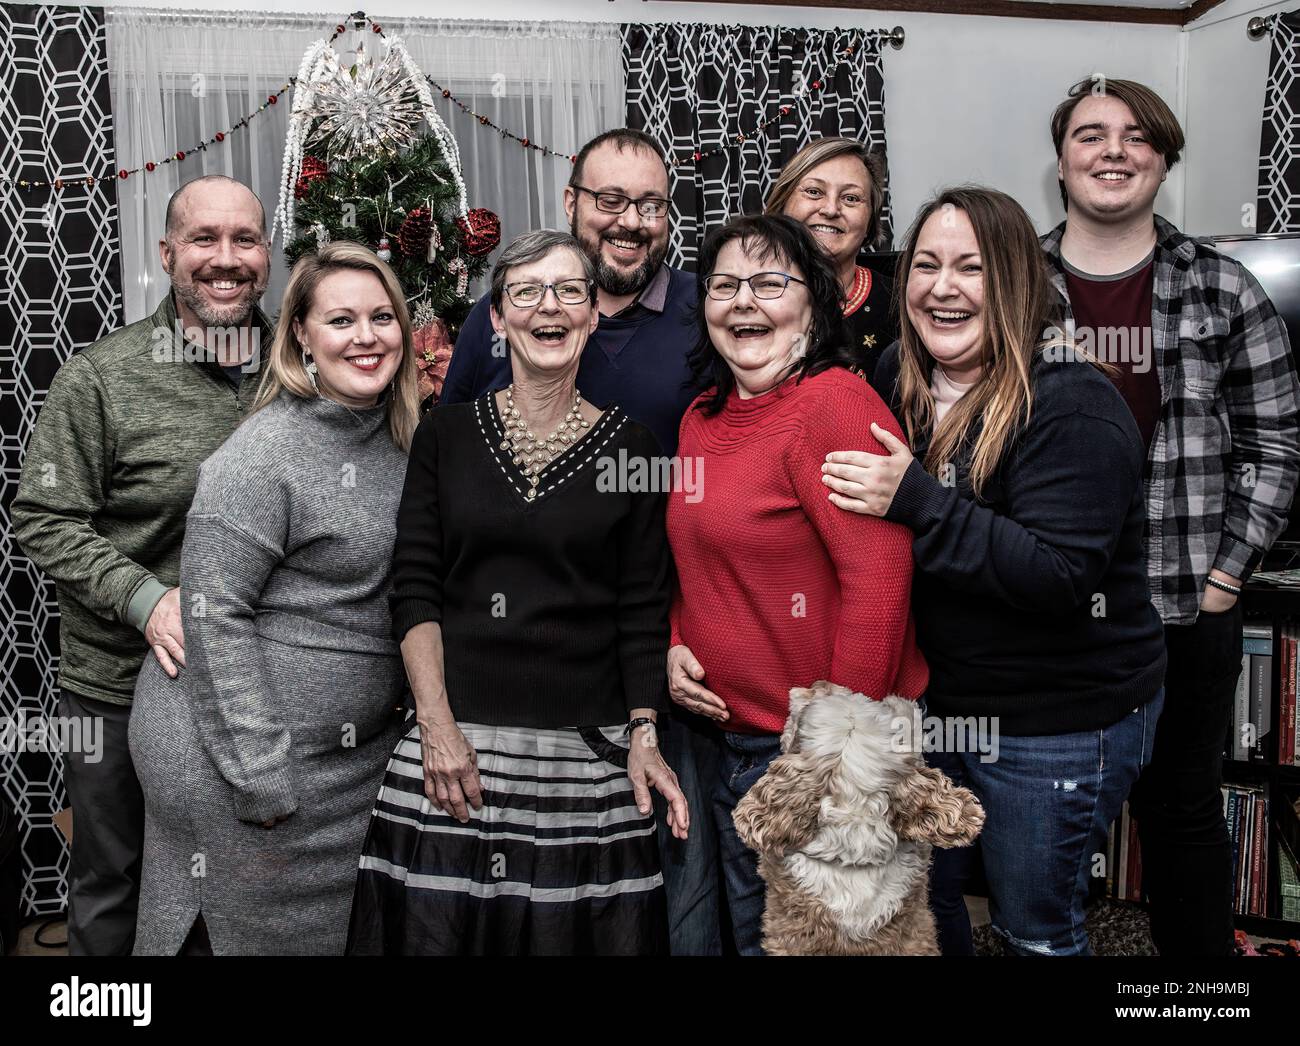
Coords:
pixel 531 454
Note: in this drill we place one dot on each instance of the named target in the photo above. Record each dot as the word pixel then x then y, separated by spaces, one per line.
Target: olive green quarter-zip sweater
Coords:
pixel 108 479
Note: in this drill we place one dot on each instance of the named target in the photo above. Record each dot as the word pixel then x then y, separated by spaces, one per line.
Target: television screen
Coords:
pixel 1274 260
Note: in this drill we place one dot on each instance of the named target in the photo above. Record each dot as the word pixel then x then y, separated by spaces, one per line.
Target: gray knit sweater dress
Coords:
pixel 287 704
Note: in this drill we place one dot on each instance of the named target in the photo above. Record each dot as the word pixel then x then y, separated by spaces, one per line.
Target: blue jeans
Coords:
pixel 689 746
pixel 1048 802
pixel 744 759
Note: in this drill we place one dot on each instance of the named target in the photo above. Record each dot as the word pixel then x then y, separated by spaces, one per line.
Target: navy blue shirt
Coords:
pixel 636 359
pixel 1031 601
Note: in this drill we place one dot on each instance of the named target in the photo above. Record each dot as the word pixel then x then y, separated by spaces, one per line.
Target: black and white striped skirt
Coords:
pixel 559 861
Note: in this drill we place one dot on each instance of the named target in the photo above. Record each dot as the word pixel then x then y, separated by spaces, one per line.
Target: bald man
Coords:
pixel 106 483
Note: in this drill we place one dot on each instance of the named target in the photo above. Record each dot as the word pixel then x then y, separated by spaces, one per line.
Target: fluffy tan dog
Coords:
pixel 843 822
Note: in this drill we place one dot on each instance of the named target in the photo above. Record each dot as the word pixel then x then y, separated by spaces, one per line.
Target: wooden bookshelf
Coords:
pixel 1265 602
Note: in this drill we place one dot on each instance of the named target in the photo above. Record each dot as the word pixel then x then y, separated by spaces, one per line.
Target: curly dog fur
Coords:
pixel 843 823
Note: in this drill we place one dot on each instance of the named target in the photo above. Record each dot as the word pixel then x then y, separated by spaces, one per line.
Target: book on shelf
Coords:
pixel 1246 811
pixel 1257 642
pixel 1124 858
pixel 1288 881
pixel 1288 744
pixel 1288 853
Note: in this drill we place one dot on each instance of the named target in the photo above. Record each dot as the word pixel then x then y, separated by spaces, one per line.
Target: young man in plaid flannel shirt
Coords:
pixel 1203 360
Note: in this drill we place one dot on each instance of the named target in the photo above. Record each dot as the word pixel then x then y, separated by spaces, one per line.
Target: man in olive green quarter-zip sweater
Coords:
pixel 106 483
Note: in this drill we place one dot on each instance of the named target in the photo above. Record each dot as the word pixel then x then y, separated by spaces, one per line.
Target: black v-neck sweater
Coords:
pixel 554 612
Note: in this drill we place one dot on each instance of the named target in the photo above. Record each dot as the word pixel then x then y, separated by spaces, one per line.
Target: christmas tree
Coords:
pixel 359 165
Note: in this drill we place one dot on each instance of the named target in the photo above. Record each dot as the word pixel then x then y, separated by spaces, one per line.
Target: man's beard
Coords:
pixel 616 281
pixel 233 314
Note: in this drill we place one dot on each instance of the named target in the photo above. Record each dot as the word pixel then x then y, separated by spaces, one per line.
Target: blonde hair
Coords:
pixel 818 152
pixel 284 368
pixel 1020 305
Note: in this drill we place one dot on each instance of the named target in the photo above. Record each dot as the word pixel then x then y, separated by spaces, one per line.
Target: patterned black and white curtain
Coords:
pixel 698 87
pixel 1279 157
pixel 62 290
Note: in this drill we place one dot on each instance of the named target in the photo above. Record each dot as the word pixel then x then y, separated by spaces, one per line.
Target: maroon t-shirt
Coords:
pixel 1112 317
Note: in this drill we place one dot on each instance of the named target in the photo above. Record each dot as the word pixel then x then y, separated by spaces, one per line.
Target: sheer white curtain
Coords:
pixel 179 77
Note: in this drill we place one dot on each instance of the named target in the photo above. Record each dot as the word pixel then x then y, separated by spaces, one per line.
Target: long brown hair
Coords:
pixel 1019 313
pixel 816 153
pixel 285 371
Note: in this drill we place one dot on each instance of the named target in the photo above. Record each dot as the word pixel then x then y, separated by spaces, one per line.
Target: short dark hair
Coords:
pixel 787 242
pixel 623 138
pixel 173 203
pixel 1155 118
pixel 533 246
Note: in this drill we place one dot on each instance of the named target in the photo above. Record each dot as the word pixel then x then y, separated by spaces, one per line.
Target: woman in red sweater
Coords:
pixel 776 587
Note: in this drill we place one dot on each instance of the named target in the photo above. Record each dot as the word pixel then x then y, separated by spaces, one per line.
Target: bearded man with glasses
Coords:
pixel 637 359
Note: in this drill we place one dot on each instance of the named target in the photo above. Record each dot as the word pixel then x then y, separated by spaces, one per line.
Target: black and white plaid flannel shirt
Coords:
pixel 1225 456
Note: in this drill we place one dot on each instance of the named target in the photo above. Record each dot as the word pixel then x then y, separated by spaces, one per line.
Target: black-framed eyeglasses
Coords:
pixel 617 203
pixel 525 295
pixel 721 286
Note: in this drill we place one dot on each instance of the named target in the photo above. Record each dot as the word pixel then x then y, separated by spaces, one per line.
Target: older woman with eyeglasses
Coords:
pixel 776 587
pixel 530 599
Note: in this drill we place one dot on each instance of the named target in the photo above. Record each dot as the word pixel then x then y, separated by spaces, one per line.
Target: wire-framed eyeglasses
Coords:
pixel 617 203
pixel 526 295
pixel 721 286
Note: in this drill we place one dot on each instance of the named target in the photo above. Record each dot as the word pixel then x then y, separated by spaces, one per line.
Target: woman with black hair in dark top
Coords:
pixel 1025 501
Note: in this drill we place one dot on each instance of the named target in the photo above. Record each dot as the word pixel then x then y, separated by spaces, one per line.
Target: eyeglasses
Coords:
pixel 567 292
pixel 617 203
pixel 721 287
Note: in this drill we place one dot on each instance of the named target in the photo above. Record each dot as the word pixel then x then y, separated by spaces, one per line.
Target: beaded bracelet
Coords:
pixel 1223 586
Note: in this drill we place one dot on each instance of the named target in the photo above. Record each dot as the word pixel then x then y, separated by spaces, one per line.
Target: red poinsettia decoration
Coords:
pixel 432 356
pixel 481 229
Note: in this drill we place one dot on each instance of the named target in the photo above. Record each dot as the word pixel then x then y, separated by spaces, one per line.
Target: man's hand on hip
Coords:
pixel 165 634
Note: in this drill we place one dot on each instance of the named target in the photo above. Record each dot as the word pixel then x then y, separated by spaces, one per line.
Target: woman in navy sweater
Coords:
pixel 1023 489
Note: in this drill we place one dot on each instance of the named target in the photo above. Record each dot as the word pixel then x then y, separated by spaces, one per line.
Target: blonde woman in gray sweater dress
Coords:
pixel 261 760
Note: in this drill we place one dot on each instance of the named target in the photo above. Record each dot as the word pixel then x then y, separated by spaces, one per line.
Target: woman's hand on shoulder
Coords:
pixel 684 687
pixel 646 769
pixel 866 483
pixel 451 780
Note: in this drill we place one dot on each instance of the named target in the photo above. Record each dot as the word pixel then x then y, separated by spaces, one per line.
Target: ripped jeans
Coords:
pixel 1048 802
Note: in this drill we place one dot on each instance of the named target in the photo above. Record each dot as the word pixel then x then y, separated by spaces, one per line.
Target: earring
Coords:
pixel 309 365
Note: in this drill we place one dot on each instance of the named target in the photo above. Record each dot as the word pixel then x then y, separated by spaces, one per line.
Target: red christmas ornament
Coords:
pixel 312 169
pixel 221 137
pixel 150 166
pixel 272 99
pixel 180 155
pixel 415 232
pixel 122 174
pixel 482 231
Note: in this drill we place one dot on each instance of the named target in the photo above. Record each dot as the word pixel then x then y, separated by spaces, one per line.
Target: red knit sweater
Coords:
pixel 777 587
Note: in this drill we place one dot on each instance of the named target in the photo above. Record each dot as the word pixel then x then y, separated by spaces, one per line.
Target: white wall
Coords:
pixel 1225 99
pixel 967 98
